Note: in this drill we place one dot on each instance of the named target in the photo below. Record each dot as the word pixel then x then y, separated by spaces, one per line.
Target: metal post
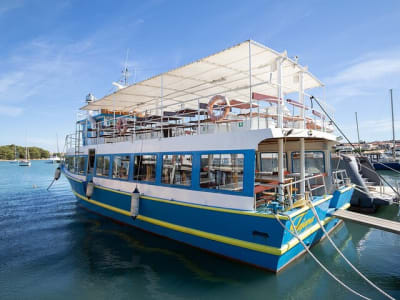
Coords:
pixel 198 116
pixel 358 136
pixel 280 95
pixel 250 90
pixel 162 105
pixel 394 139
pixel 301 99
pixel 281 174
pixel 302 167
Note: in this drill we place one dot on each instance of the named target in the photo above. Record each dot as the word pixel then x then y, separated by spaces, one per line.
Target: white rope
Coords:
pixel 296 235
pixel 342 255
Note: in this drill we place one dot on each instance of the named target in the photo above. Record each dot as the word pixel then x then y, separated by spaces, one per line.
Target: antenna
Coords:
pixel 125 71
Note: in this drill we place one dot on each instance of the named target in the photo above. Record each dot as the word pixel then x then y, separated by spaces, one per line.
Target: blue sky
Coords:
pixel 53 53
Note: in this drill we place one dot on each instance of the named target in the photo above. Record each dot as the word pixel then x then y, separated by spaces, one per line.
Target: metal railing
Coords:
pixel 339 178
pixel 194 120
pixel 312 184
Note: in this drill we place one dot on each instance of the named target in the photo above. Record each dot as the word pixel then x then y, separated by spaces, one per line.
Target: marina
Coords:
pixel 238 150
pixel 92 256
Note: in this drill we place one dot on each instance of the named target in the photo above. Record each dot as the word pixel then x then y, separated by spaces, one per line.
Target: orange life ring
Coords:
pixel 220 100
pixel 122 127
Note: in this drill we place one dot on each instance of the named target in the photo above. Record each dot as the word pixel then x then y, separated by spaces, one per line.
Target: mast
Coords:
pixel 394 139
pixel 358 135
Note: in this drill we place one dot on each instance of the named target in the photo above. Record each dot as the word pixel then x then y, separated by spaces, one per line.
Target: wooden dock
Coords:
pixel 379 223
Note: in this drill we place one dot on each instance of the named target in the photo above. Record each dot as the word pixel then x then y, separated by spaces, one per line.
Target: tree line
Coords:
pixel 7 152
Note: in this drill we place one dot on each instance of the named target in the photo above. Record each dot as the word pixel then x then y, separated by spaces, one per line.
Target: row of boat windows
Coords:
pixel 217 171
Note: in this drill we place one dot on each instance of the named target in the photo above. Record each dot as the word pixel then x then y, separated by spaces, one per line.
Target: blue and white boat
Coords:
pixel 214 154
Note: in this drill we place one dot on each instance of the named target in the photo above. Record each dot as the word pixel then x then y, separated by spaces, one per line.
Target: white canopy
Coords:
pixel 226 73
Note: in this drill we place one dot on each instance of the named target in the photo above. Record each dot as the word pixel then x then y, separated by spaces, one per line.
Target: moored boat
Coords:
pixel 216 155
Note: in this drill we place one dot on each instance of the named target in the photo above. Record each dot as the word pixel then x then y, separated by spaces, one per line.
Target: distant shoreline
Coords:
pixel 22 159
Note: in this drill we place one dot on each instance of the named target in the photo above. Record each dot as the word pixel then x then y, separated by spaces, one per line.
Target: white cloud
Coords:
pixel 365 76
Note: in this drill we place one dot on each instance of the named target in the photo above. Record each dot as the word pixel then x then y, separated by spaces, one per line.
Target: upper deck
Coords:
pixel 246 87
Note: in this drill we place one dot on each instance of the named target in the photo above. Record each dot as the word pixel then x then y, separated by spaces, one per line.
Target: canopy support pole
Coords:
pixel 162 105
pixel 280 94
pixel 302 168
pixel 281 174
pixel 301 99
pixel 250 89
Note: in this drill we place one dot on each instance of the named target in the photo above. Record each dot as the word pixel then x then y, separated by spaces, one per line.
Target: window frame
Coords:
pixel 309 151
pixel 129 166
pixel 157 175
pixel 215 190
pixel 109 165
pixel 191 186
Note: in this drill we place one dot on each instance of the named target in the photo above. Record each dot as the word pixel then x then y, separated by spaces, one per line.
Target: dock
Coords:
pixel 379 223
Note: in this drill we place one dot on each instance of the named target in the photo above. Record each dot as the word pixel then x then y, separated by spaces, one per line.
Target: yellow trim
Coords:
pixel 227 210
pixel 212 236
pixel 106 206
pixel 216 237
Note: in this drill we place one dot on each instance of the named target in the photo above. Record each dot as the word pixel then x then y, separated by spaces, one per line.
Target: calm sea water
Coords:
pixel 50 248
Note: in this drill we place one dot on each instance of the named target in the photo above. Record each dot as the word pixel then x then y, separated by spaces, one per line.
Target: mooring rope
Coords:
pixel 296 235
pixel 311 205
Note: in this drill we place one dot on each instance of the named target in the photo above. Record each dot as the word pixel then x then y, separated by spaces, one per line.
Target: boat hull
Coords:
pixel 382 166
pixel 254 238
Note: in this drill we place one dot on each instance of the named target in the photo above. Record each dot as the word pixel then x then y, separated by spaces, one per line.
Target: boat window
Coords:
pixel 81 165
pixel 177 169
pixel 269 162
pixel 121 166
pixel 314 162
pixel 71 164
pixel 145 167
pixel 222 171
pixel 102 165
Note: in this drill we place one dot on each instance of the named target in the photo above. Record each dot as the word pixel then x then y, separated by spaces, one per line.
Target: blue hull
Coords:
pixel 382 166
pixel 254 238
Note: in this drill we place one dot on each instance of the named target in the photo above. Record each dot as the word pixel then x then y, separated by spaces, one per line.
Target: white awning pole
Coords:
pixel 250 89
pixel 162 105
pixel 302 167
pixel 301 99
pixel 281 174
pixel 280 94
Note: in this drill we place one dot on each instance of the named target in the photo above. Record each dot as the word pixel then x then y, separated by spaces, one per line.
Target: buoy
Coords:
pixel 220 101
pixel 89 189
pixel 57 173
pixel 135 203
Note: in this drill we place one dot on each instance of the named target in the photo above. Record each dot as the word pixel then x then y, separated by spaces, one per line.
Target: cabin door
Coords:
pixel 90 165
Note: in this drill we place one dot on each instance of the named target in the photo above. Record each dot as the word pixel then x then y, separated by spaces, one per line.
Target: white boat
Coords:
pixel 25 162
pixel 212 154
pixel 15 161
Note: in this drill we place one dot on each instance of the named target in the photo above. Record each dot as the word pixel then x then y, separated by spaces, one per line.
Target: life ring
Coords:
pixel 220 100
pixel 122 127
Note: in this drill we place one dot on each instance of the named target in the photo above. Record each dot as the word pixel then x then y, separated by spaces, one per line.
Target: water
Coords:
pixel 52 249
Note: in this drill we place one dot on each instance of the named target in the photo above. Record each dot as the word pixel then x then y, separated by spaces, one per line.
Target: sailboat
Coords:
pixel 387 161
pixel 25 162
pixel 15 156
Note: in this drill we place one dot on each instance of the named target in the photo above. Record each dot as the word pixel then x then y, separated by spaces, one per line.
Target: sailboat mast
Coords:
pixel 358 135
pixel 394 139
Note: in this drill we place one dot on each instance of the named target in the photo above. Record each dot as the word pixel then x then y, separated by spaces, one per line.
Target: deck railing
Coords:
pixel 194 120
pixel 312 185
pixel 339 178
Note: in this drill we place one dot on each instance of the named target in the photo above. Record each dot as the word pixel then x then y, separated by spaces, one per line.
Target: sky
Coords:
pixel 53 53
